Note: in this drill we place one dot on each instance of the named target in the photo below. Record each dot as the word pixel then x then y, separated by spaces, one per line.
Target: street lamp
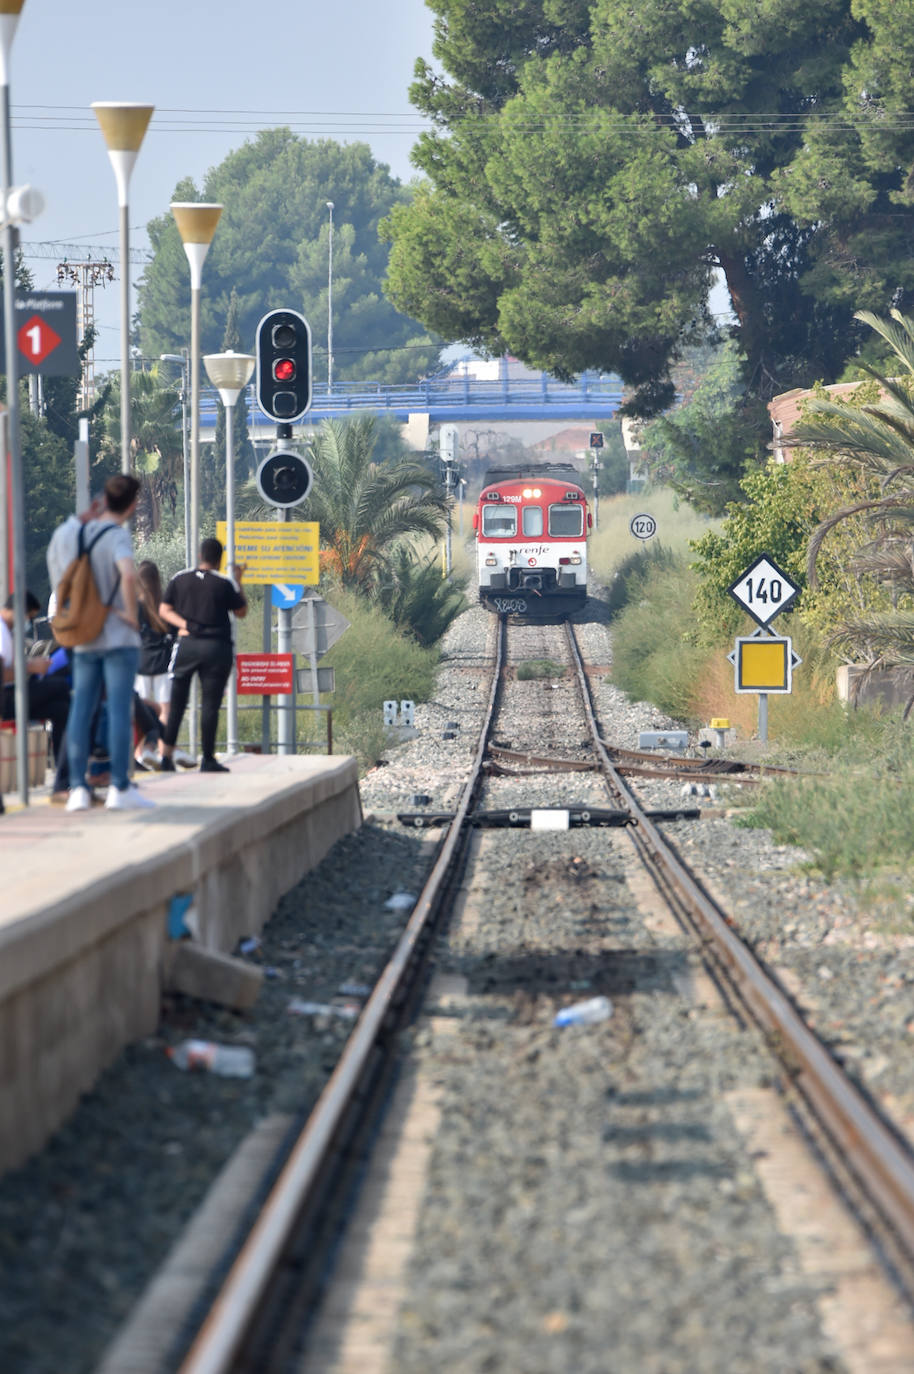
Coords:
pixel 181 360
pixel 330 301
pixel 230 373
pixel 124 127
pixel 196 223
pixel 10 11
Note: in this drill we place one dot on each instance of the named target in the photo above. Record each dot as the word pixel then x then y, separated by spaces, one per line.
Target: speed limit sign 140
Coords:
pixel 764 590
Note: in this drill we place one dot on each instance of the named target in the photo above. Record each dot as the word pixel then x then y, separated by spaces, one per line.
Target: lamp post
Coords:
pixel 10 11
pixel 196 223
pixel 330 301
pixel 124 127
pixel 181 360
pixel 230 373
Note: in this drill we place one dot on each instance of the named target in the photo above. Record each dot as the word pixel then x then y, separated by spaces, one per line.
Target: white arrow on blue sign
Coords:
pixel 284 596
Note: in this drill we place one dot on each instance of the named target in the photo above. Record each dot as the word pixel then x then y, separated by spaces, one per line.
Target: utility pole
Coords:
pixel 85 276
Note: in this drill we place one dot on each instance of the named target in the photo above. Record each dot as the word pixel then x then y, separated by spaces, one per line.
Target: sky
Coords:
pixel 216 74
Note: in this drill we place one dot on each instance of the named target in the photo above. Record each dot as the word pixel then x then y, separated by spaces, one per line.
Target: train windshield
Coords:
pixel 566 521
pixel 532 521
pixel 499 522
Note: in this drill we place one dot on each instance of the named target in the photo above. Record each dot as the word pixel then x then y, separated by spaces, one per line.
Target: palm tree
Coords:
pixel 365 509
pixel 156 444
pixel 877 439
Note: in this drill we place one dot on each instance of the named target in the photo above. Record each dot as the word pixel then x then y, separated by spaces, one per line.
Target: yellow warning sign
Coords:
pixel 763 664
pixel 275 551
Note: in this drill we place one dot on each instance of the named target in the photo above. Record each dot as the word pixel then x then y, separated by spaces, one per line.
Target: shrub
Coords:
pixel 652 658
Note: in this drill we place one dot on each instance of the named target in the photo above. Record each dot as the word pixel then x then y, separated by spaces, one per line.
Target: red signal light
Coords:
pixel 284 369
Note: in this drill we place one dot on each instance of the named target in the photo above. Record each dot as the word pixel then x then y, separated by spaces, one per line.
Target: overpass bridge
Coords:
pixel 591 398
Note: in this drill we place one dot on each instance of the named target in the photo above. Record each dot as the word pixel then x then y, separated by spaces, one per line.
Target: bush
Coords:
pixel 418 598
pixel 652 659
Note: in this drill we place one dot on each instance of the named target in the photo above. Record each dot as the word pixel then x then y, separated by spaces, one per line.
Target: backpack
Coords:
pixel 81 613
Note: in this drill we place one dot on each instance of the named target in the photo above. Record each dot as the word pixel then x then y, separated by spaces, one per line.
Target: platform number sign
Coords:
pixel 764 590
pixel 45 333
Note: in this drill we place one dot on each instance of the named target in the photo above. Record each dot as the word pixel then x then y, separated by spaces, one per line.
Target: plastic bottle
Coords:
pixel 229 1061
pixel 584 1013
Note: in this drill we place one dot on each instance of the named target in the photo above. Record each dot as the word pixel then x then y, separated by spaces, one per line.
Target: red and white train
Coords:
pixel 531 525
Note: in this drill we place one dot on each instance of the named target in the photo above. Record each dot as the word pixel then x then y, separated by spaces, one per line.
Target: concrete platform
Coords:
pixel 84 902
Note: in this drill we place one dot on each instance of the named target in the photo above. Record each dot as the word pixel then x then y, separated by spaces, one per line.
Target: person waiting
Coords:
pixel 48 692
pixel 198 603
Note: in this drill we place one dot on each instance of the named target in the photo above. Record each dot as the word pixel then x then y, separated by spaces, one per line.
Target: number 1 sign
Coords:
pixel 45 334
pixel 764 590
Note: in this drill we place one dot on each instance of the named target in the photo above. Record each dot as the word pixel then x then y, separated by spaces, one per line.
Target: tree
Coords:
pixel 417 597
pixel 595 164
pixel 243 460
pixel 271 248
pixel 156 443
pixel 875 439
pixel 365 509
pixel 704 447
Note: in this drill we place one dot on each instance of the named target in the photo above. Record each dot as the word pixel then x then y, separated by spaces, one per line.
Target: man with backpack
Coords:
pixel 91 566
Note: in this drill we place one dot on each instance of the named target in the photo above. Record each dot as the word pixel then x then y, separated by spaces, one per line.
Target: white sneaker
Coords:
pixel 183 759
pixel 150 758
pixel 79 799
pixel 131 799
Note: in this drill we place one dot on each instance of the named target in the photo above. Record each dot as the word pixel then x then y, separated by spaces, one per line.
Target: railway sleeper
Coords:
pixel 546 818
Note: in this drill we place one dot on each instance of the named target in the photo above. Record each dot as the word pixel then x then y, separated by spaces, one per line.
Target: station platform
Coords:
pixel 88 901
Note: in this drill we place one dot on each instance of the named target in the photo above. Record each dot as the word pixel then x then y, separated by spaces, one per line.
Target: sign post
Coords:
pixel 763 662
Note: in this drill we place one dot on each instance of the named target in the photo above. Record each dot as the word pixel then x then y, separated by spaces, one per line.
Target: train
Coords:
pixel 532 523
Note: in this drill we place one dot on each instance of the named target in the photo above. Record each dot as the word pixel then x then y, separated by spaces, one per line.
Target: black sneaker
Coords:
pixel 167 764
pixel 213 766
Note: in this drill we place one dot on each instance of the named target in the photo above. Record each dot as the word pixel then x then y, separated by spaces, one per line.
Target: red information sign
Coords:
pixel 264 675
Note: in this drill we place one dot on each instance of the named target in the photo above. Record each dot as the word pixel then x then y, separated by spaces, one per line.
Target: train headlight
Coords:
pixel 575 558
pixel 491 562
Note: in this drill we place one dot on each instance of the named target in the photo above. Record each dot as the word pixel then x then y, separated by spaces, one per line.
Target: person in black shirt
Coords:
pixel 197 602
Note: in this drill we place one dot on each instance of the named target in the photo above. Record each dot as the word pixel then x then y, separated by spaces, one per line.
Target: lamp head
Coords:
pixel 196 221
pixel 229 373
pixel 123 126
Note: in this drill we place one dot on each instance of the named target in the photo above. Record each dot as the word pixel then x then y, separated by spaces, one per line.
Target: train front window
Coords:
pixel 499 522
pixel 532 521
pixel 566 522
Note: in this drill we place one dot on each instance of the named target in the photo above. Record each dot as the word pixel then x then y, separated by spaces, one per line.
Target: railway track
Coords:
pixel 271 1287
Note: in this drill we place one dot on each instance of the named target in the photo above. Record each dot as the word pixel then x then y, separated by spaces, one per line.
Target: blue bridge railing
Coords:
pixel 591 396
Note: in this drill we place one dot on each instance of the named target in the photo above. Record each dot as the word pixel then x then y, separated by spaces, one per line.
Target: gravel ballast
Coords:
pixel 85 1224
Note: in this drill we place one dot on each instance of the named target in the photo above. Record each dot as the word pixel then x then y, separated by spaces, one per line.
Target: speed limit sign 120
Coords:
pixel 643 526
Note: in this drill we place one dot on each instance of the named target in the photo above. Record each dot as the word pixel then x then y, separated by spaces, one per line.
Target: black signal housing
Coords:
pixel 283 378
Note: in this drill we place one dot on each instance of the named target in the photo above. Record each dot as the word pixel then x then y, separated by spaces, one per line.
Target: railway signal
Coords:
pixel 284 478
pixel 283 350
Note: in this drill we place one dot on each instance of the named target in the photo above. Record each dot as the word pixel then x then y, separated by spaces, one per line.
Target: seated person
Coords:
pixel 48 694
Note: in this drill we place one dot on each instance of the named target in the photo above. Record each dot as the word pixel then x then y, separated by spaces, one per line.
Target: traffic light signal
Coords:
pixel 283 349
pixel 284 478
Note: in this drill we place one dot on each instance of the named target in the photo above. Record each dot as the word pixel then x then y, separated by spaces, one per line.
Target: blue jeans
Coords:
pixel 116 670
